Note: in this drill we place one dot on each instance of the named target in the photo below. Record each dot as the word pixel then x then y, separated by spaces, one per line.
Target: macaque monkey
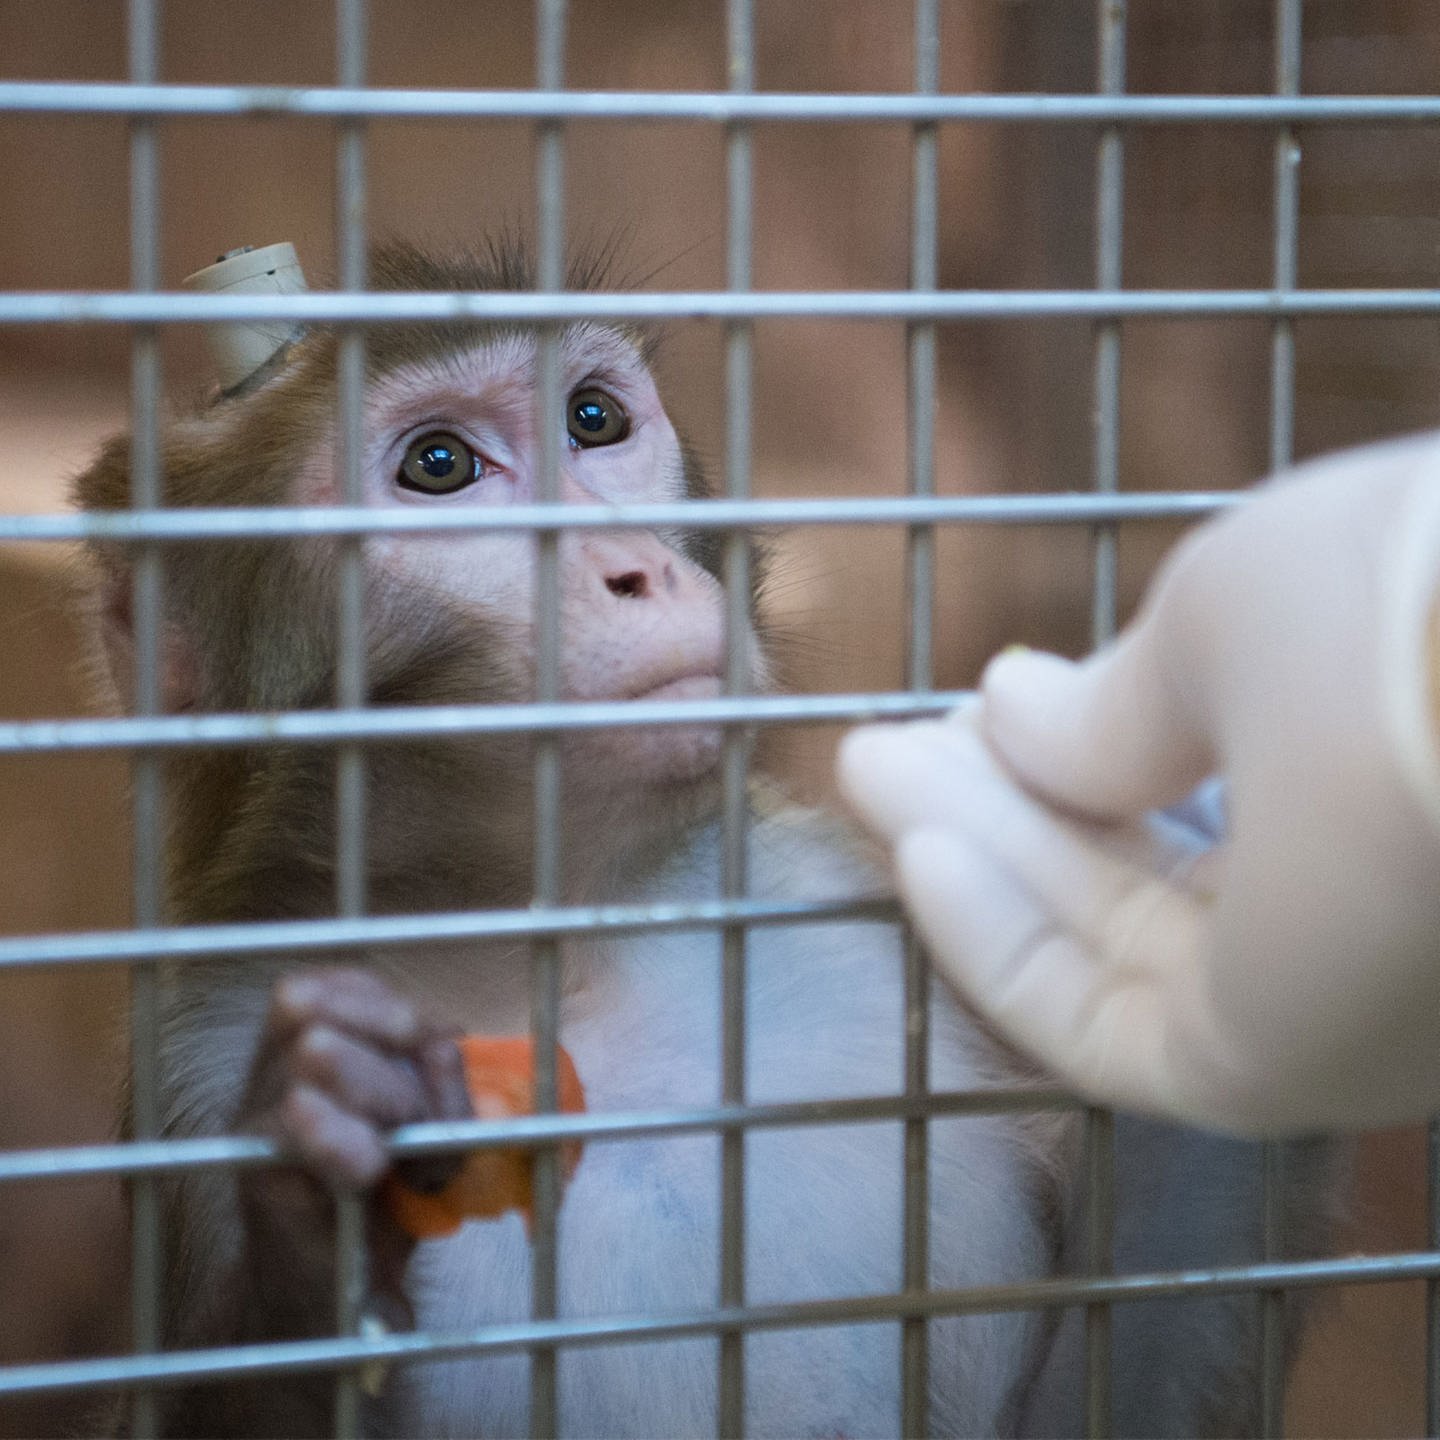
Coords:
pixel 328 1057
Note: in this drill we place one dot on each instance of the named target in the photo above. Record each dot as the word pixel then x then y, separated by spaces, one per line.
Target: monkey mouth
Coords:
pixel 703 685
pixel 646 753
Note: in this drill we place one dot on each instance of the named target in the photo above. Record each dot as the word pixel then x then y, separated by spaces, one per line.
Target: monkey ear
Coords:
pixel 105 487
pixel 179 670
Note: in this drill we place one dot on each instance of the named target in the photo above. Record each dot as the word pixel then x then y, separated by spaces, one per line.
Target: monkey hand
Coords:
pixel 1291 979
pixel 342 1059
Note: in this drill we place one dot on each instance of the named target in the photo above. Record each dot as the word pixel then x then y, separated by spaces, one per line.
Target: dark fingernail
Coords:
pixel 429 1174
pixel 444 1070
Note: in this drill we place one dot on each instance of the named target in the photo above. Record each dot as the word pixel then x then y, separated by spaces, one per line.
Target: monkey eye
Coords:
pixel 438 463
pixel 594 417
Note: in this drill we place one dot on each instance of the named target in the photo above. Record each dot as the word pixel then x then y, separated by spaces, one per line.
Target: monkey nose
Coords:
pixel 634 567
pixel 632 585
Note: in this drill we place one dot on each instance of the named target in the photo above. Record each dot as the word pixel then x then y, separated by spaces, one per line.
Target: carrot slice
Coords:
pixel 500 1075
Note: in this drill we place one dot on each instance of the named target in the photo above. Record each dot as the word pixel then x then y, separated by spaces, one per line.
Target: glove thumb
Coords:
pixel 1106 738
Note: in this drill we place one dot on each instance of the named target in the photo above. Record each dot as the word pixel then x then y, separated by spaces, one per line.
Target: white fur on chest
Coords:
pixel 639 1230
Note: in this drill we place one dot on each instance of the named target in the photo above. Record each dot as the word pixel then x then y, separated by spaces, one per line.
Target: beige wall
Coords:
pixel 63 865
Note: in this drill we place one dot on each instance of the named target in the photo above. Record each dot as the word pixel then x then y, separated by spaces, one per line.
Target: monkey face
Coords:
pixel 639 618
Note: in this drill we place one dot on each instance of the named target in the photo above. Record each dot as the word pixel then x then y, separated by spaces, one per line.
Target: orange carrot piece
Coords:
pixel 500 1075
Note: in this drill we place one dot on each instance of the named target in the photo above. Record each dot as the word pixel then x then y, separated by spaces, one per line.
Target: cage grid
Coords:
pixel 146 103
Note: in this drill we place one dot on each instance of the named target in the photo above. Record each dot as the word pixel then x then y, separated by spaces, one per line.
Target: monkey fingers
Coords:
pixel 333 1143
pixel 343 1058
pixel 347 998
pixel 384 1088
pixel 442 1072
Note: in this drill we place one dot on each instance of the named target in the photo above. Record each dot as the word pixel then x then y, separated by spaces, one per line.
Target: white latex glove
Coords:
pixel 1291 979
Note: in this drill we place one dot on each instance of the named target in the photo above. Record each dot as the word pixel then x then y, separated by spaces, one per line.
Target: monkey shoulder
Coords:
pixel 805 852
pixel 837 982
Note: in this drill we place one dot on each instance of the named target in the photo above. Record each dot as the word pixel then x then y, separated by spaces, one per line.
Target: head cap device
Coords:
pixel 242 349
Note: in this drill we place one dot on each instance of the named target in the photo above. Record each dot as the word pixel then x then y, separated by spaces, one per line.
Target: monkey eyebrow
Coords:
pixel 601 377
pixel 608 354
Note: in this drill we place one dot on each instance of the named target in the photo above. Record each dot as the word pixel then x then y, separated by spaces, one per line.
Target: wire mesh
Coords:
pixel 350 728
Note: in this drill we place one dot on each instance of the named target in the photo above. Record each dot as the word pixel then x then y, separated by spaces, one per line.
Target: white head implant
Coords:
pixel 243 349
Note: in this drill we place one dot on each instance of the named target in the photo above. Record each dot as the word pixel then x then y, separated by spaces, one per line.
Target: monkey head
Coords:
pixel 449 420
pixel 639 617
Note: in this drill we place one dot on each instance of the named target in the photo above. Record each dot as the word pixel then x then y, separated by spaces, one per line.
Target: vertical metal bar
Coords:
pixel 350 680
pixel 1109 241
pixel 920 588
pixel 1111 17
pixel 736 760
pixel 351 1282
pixel 350 676
pixel 1272 1302
pixel 1099 1260
pixel 1288 30
pixel 1432 1289
pixel 550 21
pixel 147 610
pixel 924 232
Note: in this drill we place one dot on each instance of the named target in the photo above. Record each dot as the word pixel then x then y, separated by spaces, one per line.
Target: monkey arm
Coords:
pixel 1290 980
pixel 269 1289
pixel 254 1253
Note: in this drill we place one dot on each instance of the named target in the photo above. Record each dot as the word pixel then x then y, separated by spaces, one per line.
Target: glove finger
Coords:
pixel 1106 888
pixel 887 773
pixel 1099 1028
pixel 1107 737
pixel 986 931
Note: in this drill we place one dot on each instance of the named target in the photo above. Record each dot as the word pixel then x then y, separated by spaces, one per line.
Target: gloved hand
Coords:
pixel 1291 978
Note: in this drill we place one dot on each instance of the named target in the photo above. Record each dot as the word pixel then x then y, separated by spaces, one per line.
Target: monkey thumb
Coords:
pixel 1104 738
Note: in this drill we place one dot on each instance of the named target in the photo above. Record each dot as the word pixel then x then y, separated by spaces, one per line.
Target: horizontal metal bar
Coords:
pixel 528 1132
pixel 431 722
pixel 50 307
pixel 289 1357
pixel 336 103
pixel 287 523
pixel 380 932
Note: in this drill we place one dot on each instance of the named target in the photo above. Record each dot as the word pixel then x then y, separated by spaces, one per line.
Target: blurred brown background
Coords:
pixel 831 213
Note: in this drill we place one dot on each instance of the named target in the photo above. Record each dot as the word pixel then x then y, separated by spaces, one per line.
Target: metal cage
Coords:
pixel 146 104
